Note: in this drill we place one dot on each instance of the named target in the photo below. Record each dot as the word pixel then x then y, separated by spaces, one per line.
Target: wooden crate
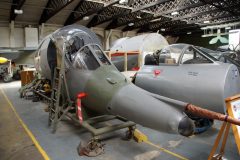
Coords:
pixel 26 77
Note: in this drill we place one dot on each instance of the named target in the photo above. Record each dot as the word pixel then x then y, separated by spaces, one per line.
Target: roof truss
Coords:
pixel 16 4
pixel 52 8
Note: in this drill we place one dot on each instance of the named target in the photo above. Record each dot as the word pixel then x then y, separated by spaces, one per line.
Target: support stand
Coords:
pixel 233 109
pixel 224 130
pixel 94 147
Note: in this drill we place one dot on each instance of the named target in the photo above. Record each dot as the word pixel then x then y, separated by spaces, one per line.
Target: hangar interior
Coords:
pixel 119 79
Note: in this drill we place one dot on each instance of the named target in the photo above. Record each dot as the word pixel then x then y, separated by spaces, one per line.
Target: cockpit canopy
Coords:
pixel 82 49
pixel 89 57
pixel 183 54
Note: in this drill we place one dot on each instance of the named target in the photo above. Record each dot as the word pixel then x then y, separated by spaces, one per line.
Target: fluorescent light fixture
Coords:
pixel 174 13
pixel 163 29
pixel 123 1
pixel 18 11
pixel 85 18
pixel 139 17
pixel 189 32
pixel 228 27
pixel 206 21
pixel 130 24
pixel 154 20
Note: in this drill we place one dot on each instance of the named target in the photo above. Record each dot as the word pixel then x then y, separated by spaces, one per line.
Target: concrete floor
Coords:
pixel 62 145
pixel 15 143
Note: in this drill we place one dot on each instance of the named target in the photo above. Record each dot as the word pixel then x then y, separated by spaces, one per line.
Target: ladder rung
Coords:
pixel 54 99
pixel 53 110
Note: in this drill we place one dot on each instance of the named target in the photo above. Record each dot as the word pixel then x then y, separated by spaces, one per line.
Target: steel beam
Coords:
pixel 128 28
pixel 179 8
pixel 149 5
pixel 95 18
pixel 223 5
pixel 52 8
pixel 147 26
pixel 192 23
pixel 73 18
pixel 109 18
pixel 114 23
pixel 188 27
pixel 178 30
pixel 122 14
pixel 209 19
pixel 161 26
pixel 230 20
pixel 16 4
pixel 195 14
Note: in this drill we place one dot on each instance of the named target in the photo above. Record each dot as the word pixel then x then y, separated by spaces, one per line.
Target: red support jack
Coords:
pixel 79 106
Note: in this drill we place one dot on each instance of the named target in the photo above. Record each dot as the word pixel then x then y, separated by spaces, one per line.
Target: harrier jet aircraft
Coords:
pixel 86 69
pixel 185 73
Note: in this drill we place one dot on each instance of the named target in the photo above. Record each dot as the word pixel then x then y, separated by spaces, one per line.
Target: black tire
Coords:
pixel 16 76
pixel 7 79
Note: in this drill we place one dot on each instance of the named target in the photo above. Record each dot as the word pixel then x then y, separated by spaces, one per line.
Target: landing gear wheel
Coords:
pixel 202 125
pixel 92 149
pixel 7 79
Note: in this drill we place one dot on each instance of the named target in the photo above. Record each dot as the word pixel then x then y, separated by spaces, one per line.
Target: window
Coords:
pixel 38 52
pixel 74 44
pixel 78 62
pixel 192 56
pixel 188 56
pixel 100 55
pixel 214 55
pixel 85 59
pixel 89 59
pixel 171 54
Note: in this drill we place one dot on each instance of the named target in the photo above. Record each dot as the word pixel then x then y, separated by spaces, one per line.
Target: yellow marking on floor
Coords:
pixel 140 137
pixel 166 151
pixel 36 143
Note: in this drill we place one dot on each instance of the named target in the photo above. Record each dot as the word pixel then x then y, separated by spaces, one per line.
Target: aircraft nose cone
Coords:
pixel 144 109
pixel 186 127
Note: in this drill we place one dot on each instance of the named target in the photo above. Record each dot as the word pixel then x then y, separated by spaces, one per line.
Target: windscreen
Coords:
pixel 84 59
pixel 171 54
pixel 210 53
pixel 100 55
pixel 194 56
pixel 90 57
